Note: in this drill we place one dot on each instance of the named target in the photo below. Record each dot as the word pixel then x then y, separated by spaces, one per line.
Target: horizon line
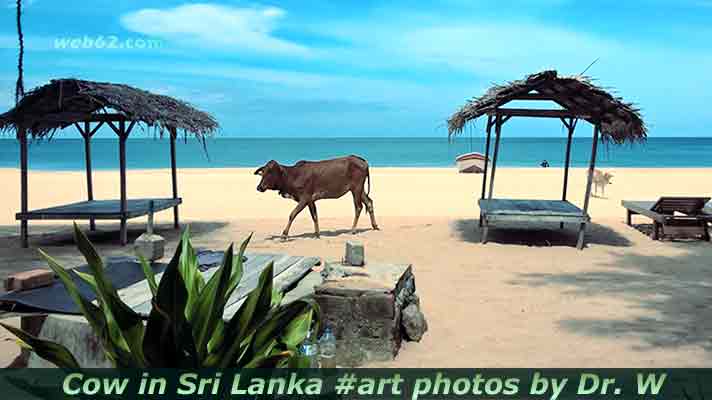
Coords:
pixel 362 137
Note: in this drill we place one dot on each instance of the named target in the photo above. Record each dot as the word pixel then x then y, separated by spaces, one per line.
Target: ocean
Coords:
pixel 148 153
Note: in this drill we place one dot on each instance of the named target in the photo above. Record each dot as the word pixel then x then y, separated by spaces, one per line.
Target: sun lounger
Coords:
pixel 674 216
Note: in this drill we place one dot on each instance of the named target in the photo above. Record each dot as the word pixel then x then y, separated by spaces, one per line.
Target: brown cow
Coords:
pixel 308 181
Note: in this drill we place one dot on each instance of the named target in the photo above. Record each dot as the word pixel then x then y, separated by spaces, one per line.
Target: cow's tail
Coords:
pixel 368 178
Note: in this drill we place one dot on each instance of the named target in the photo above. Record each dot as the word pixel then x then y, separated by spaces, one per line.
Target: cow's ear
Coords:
pixel 260 170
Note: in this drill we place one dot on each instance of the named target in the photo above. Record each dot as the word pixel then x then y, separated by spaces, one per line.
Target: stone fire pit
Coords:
pixel 370 309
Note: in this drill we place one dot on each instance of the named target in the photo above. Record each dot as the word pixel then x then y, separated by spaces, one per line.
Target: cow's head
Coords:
pixel 272 176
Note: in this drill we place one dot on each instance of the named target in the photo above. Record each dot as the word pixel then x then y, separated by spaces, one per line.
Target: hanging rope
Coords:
pixel 20 87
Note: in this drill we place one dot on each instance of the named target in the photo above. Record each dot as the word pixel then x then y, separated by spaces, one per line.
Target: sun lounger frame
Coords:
pixel 695 218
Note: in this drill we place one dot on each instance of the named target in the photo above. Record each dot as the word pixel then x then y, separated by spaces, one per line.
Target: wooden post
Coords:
pixel 174 176
pixel 122 171
pixel 591 167
pixel 86 133
pixel 571 125
pixel 22 132
pixel 497 131
pixel 487 149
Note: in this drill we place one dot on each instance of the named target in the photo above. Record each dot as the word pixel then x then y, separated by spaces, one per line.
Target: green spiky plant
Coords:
pixel 185 328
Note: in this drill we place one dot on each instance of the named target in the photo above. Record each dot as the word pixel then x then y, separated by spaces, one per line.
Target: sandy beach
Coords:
pixel 526 299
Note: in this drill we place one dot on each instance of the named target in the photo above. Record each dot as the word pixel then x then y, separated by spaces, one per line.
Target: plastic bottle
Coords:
pixel 309 349
pixel 327 349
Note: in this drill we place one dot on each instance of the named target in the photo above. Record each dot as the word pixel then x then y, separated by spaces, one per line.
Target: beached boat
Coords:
pixel 470 163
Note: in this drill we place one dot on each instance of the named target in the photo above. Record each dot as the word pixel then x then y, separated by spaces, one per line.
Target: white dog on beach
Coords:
pixel 601 179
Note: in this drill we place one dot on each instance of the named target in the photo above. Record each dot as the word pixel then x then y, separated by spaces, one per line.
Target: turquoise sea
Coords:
pixel 145 153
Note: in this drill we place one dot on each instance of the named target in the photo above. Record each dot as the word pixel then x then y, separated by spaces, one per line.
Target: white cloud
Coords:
pixel 212 25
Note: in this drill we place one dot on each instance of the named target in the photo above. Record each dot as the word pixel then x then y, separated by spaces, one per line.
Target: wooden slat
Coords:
pixel 249 281
pixel 687 205
pixel 523 112
pixel 529 207
pixel 281 282
pixel 493 219
pixel 98 209
pixel 141 294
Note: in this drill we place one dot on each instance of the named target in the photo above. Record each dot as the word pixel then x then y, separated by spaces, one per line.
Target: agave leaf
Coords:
pixel 274 360
pixel 237 268
pixel 90 311
pixel 296 330
pixel 94 315
pixel 129 327
pixel 148 272
pixel 277 296
pixel 50 351
pixel 192 278
pixel 217 337
pixel 89 279
pixel 269 349
pixel 112 331
pixel 211 304
pixel 168 340
pixel 256 305
pixel 276 324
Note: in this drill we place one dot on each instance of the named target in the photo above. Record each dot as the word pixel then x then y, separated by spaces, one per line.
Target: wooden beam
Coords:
pixel 87 157
pixel 174 176
pixel 22 132
pixel 122 171
pixel 96 128
pixel 571 127
pixel 497 131
pixel 487 150
pixel 565 122
pixel 114 128
pixel 130 128
pixel 591 168
pixel 72 117
pixel 527 112
pixel 534 96
pixel 79 128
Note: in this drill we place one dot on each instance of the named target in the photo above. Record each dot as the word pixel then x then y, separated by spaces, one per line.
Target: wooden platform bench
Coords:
pixel 494 211
pixel 101 210
pixel 673 217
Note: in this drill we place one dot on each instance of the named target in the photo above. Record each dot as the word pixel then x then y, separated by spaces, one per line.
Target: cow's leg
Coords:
pixel 358 206
pixel 292 216
pixel 369 208
pixel 315 218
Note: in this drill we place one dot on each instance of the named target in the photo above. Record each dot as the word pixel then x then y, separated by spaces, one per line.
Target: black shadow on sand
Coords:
pixel 673 294
pixel 539 235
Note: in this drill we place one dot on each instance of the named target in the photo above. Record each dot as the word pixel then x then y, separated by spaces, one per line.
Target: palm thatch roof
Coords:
pixel 63 102
pixel 619 121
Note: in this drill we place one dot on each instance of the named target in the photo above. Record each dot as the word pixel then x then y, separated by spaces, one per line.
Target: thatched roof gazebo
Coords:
pixel 89 105
pixel 614 121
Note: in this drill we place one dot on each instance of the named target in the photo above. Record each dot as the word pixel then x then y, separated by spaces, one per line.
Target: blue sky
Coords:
pixel 367 68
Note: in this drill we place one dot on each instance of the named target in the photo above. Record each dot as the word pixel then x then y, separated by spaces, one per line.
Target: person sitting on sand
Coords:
pixel 544 164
